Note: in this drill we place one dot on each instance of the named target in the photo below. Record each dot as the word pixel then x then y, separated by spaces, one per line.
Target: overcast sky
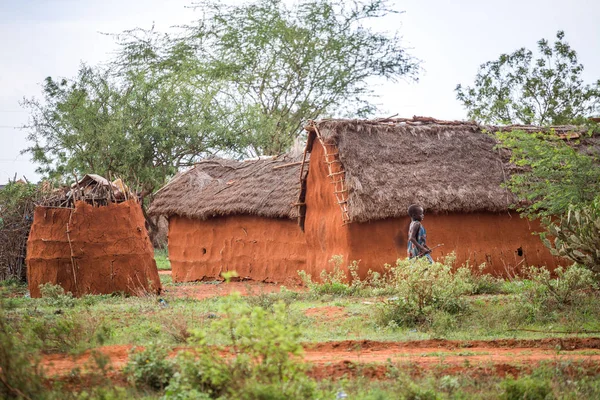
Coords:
pixel 51 38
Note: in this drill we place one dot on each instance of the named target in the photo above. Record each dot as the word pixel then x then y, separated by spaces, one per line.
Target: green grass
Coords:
pixel 162 259
pixel 66 325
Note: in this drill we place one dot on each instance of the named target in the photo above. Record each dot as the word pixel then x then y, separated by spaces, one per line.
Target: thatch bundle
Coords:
pixel 446 166
pixel 219 187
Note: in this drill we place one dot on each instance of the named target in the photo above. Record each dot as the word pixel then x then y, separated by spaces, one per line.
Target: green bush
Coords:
pixel 483 283
pixel 571 285
pixel 20 373
pixel 258 357
pixel 55 296
pixel 150 367
pixel 526 388
pixel 422 288
pixel 577 235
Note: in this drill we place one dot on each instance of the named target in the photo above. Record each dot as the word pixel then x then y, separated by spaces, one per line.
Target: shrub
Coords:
pixel 20 373
pixel 55 296
pixel 577 235
pixel 570 285
pixel 482 283
pixel 258 358
pixel 422 288
pixel 526 388
pixel 150 367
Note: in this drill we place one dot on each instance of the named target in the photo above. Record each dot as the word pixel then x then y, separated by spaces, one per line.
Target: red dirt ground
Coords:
pixel 336 359
pixel 203 290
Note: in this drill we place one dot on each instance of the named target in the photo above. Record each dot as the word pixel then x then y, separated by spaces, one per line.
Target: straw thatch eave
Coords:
pixel 220 187
pixel 446 166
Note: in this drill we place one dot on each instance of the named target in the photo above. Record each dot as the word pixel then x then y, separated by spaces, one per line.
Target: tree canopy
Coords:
pixel 520 89
pixel 240 81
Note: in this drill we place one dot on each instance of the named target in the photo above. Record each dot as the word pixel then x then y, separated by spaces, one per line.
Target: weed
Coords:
pixel 526 388
pixel 422 288
pixel 150 367
pixel 55 296
pixel 20 373
pixel 259 355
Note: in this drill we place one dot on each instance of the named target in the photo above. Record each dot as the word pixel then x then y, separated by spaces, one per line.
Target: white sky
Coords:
pixel 51 38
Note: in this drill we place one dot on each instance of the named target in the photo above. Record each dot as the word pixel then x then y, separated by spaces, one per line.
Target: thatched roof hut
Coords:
pixel 447 166
pixel 219 187
pixel 227 215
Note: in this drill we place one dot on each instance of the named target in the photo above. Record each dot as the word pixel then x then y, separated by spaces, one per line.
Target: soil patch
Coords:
pixel 375 359
pixel 328 312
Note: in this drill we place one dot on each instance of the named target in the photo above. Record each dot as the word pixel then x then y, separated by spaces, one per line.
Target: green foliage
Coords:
pixel 552 176
pixel 17 202
pixel 55 296
pixel 20 373
pixel 570 286
pixel 162 259
pixel 421 289
pixel 259 357
pixel 150 367
pixel 140 126
pixel 271 65
pixel 577 235
pixel 546 90
pixel 526 388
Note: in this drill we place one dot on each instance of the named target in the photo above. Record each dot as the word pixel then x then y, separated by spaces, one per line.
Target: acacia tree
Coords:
pixel 278 65
pixel 241 80
pixel 518 88
pixel 138 126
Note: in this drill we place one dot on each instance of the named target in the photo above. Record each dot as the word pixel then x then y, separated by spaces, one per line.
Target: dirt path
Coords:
pixel 339 358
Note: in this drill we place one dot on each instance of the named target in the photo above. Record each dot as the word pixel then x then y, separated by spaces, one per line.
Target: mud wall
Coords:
pixel 503 241
pixel 261 249
pixel 91 250
pixel 323 226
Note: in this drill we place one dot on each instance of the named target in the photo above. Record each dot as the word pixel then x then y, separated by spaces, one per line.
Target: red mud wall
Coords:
pixel 262 249
pixel 325 235
pixel 501 241
pixel 111 251
pixel 479 237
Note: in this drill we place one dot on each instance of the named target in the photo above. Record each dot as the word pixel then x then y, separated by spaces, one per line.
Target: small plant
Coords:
pixel 55 296
pixel 422 288
pixel 577 235
pixel 20 373
pixel 259 357
pixel 570 285
pixel 482 283
pixel 528 388
pixel 150 367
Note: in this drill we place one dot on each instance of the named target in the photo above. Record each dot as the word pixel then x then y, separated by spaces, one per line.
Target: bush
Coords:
pixel 150 367
pixel 20 373
pixel 577 236
pixel 569 287
pixel 258 357
pixel 422 288
pixel 526 388
pixel 55 296
pixel 483 283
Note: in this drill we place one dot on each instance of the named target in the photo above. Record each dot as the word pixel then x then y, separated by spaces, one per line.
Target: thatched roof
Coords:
pixel 446 166
pixel 219 187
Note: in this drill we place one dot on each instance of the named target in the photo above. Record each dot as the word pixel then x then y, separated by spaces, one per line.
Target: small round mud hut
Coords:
pixel 226 215
pixel 93 240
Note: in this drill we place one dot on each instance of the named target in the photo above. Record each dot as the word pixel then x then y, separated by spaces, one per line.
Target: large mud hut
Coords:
pixel 91 241
pixel 226 215
pixel 365 173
